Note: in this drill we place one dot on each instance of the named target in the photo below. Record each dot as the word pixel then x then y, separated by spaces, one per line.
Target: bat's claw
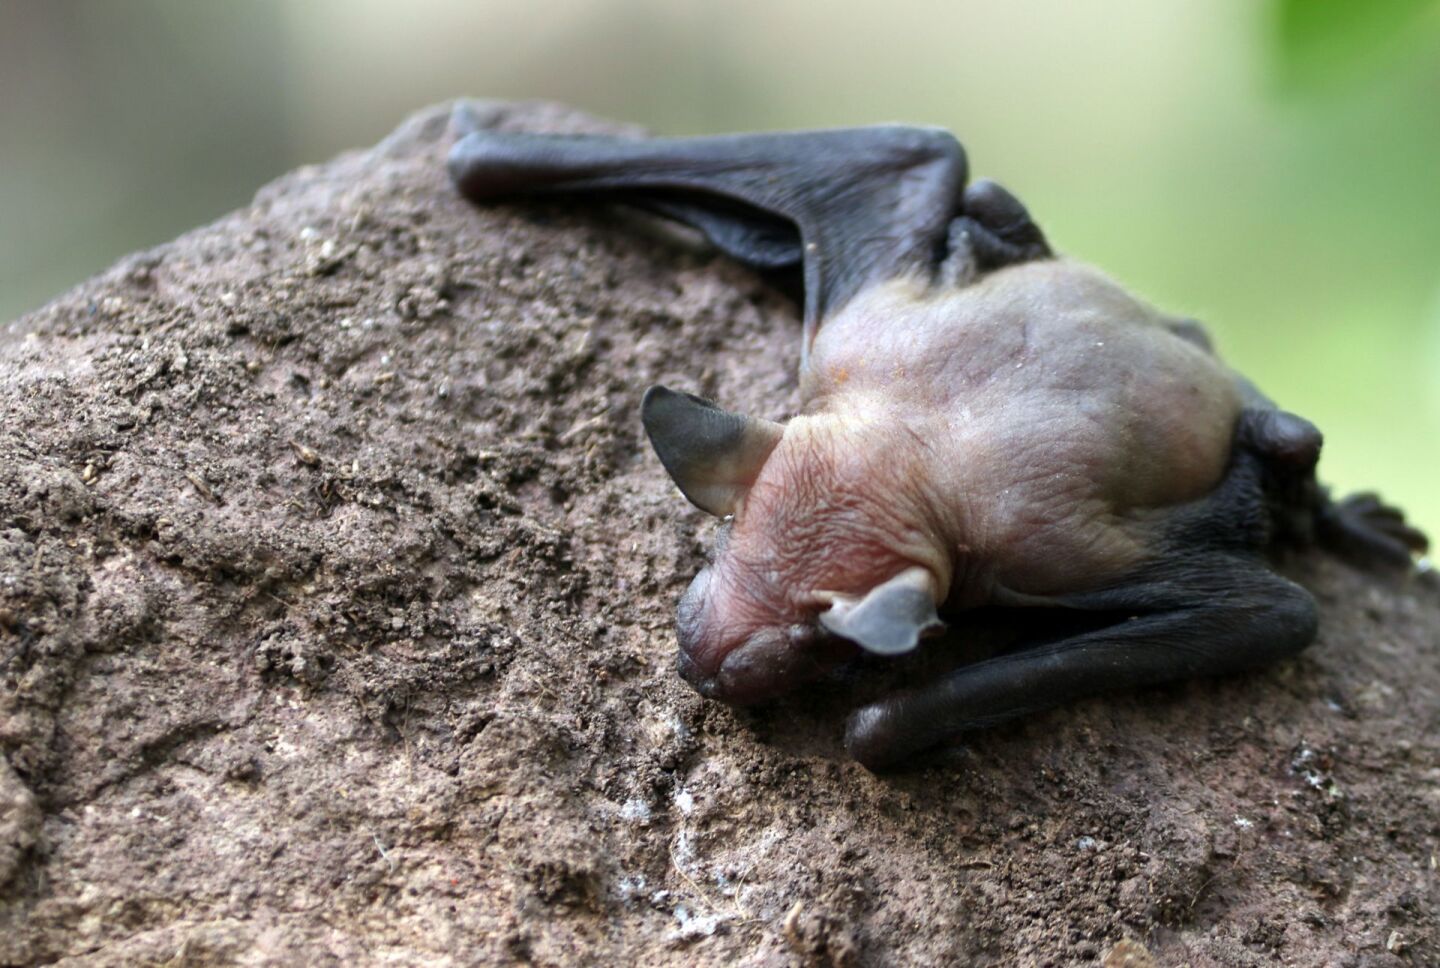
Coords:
pixel 475 114
pixel 1370 532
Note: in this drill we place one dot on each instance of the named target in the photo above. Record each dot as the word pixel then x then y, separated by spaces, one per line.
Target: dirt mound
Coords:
pixel 336 589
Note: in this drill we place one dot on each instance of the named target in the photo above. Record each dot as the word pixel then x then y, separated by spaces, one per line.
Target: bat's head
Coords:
pixel 824 547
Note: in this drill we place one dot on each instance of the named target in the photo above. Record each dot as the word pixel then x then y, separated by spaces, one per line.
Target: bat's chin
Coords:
pixel 769 663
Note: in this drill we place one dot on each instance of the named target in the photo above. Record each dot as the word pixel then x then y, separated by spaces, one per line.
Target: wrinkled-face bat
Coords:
pixel 983 423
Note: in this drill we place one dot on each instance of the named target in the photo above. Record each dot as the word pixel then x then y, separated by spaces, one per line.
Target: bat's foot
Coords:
pixel 1369 532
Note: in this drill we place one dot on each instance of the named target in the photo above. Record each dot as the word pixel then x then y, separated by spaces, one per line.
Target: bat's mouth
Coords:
pixel 755 670
pixel 768 664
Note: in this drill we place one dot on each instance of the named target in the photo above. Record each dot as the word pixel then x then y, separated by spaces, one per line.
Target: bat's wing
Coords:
pixel 853 206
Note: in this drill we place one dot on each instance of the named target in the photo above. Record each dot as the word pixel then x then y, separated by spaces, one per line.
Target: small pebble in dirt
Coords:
pixel 819 939
pixel 306 455
pixel 1129 953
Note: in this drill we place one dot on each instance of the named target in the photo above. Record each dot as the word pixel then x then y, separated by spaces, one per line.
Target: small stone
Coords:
pixel 1129 953
pixel 306 455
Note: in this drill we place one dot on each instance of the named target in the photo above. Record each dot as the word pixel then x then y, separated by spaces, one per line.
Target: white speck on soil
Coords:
pixel 684 802
pixel 635 810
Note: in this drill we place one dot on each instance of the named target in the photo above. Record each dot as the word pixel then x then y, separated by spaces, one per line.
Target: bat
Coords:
pixel 984 423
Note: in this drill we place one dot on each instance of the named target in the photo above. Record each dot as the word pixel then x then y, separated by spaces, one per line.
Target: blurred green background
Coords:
pixel 1271 168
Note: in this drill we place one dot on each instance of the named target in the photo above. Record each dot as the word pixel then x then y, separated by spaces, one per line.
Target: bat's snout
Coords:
pixel 718 659
pixel 743 642
pixel 766 663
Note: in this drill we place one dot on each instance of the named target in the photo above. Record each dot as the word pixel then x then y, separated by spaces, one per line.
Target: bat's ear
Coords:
pixel 891 618
pixel 713 455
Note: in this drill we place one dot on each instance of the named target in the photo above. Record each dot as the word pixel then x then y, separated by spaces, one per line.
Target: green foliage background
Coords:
pixel 1273 169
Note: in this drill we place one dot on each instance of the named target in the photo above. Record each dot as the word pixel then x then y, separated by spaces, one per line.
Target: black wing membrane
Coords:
pixel 854 206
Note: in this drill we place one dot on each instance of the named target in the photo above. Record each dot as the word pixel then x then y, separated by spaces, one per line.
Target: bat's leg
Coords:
pixel 1217 614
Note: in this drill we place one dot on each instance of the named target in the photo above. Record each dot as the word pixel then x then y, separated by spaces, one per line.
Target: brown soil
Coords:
pixel 336 586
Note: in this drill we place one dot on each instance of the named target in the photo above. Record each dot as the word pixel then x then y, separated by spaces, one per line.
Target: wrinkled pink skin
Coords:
pixel 1019 438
